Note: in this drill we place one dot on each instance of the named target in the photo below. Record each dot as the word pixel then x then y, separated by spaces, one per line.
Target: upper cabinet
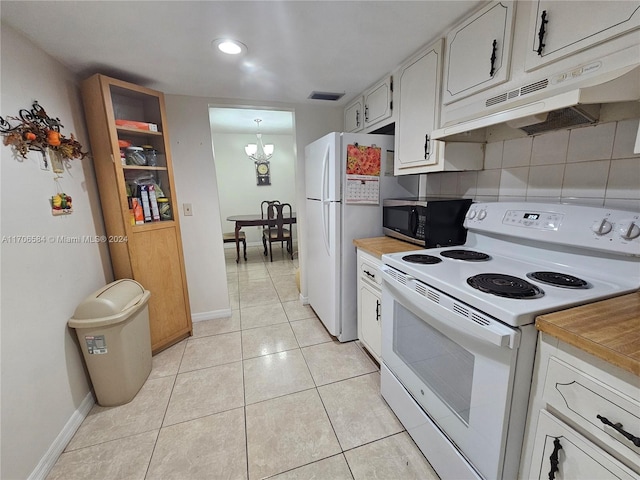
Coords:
pixel 559 29
pixel 371 108
pixel 478 52
pixel 418 114
pixel 353 116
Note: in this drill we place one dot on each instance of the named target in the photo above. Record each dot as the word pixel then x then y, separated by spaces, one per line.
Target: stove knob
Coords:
pixel 602 227
pixel 482 214
pixel 629 230
pixel 471 214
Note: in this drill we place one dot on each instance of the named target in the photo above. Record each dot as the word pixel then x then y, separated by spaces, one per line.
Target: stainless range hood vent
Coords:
pixel 558 119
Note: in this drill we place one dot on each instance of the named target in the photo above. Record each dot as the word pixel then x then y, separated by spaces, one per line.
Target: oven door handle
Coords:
pixel 442 318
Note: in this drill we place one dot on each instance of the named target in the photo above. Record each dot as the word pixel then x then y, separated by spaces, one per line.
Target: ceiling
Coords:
pixel 294 47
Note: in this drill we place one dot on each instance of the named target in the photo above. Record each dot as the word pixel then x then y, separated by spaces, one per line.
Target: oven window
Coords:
pixel 442 365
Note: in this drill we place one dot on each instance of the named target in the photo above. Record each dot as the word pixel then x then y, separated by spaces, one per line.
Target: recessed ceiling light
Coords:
pixel 230 47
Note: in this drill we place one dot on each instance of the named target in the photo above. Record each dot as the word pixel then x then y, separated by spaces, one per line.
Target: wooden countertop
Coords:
pixel 378 246
pixel 609 329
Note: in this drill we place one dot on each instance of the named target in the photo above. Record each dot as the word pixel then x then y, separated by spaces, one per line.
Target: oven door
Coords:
pixel 456 362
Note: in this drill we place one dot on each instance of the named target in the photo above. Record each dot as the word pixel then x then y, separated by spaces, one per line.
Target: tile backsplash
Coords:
pixel 589 165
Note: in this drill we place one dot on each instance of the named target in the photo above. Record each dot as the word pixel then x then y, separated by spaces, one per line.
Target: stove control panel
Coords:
pixel 532 219
pixel 599 228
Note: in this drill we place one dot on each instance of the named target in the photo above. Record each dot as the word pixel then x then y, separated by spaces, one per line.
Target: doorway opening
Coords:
pixel 242 183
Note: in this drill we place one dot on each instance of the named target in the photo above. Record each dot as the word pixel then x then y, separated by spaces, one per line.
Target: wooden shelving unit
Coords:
pixel 152 253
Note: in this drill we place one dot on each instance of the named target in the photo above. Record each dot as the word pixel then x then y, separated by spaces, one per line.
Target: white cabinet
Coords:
pixel 353 115
pixel 371 108
pixel 369 303
pixel 418 114
pixel 584 417
pixel 559 29
pixel 563 454
pixel 478 52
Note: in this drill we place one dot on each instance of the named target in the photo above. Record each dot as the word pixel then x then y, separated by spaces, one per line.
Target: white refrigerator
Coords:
pixel 339 209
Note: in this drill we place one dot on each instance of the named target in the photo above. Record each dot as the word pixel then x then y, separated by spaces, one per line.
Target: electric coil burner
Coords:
pixel 422 259
pixel 458 323
pixel 505 286
pixel 558 279
pixel 466 255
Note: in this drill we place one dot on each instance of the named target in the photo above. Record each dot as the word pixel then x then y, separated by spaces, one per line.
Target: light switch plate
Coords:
pixel 188 211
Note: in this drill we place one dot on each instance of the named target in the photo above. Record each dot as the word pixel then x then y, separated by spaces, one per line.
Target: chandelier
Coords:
pixel 259 152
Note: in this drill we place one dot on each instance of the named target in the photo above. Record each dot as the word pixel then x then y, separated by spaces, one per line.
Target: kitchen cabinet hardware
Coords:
pixel 494 47
pixel 357 118
pixel 553 459
pixel 542 31
pixel 366 113
pixel 369 274
pixel 618 428
pixel 377 310
pixel 426 146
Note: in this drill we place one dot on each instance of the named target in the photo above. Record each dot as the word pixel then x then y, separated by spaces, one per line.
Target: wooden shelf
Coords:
pixel 143 167
pixel 137 132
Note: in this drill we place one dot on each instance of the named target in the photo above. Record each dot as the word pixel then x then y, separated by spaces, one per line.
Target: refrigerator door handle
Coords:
pixel 325 168
pixel 323 202
pixel 325 229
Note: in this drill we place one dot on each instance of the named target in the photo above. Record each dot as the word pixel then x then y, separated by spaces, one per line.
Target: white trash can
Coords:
pixel 112 325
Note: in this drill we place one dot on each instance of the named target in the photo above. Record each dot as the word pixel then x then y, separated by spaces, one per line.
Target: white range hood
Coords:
pixel 555 103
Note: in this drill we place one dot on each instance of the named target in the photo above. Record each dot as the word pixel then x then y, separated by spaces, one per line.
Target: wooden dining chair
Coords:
pixel 267 213
pixel 279 228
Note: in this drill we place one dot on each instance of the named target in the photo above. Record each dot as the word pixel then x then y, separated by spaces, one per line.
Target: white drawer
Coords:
pixel 584 400
pixel 576 457
pixel 368 269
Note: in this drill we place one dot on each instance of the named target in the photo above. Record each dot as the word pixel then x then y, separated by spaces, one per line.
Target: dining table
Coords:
pixel 250 220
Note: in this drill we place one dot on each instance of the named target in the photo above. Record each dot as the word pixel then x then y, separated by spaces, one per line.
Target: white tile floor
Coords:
pixel 266 393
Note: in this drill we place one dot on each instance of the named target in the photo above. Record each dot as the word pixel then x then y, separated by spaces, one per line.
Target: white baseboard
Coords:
pixel 202 316
pixel 62 440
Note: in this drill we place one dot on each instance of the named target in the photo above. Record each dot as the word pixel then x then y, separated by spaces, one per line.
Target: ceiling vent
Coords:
pixel 326 96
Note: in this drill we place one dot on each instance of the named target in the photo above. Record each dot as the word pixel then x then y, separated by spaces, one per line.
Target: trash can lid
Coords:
pixel 109 300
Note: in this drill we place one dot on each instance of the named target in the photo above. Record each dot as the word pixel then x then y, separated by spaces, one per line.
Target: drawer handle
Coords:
pixel 618 428
pixel 553 458
pixel 369 274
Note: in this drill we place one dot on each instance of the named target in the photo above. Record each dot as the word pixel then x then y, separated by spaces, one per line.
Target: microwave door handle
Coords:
pixel 413 221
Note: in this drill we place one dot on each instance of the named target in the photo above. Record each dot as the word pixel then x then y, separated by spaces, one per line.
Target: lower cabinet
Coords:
pixel 563 454
pixel 369 304
pixel 584 418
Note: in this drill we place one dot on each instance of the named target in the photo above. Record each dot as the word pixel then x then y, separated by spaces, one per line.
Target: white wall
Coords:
pixel 43 378
pixel 589 165
pixel 237 187
pixel 196 180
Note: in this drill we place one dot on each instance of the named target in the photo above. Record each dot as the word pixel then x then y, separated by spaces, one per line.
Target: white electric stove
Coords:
pixel 458 322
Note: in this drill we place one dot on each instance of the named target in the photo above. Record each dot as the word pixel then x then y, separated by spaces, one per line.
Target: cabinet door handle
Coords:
pixel 553 458
pixel 542 31
pixel 494 48
pixel 366 113
pixel 357 118
pixel 377 310
pixel 618 428
pixel 426 146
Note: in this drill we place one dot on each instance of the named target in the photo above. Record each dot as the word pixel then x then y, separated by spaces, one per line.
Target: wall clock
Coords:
pixel 263 173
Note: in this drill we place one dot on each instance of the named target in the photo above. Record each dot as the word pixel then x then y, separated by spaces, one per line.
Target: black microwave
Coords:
pixel 426 221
